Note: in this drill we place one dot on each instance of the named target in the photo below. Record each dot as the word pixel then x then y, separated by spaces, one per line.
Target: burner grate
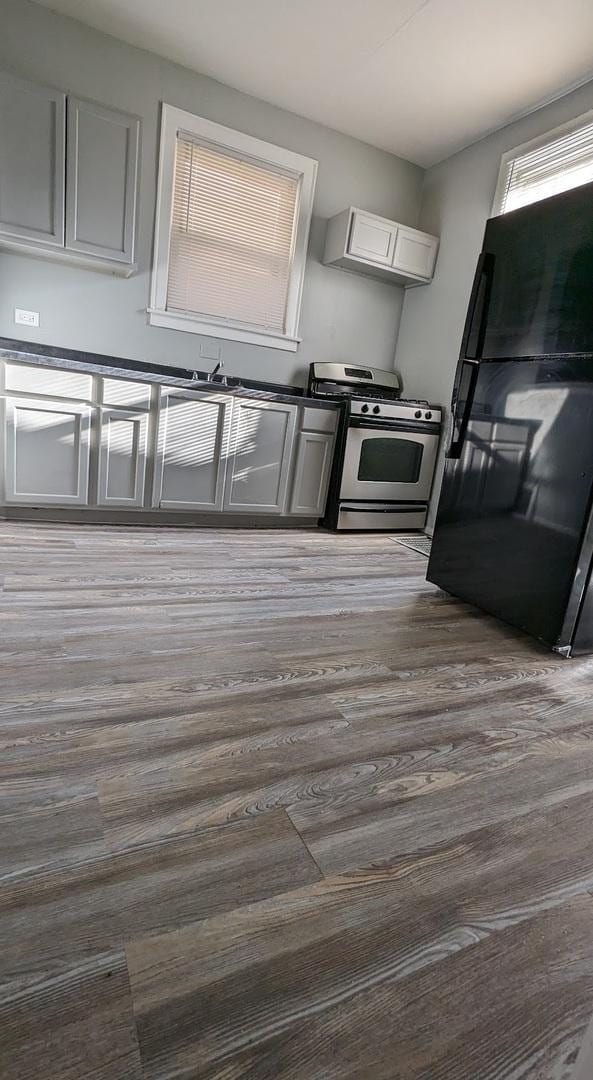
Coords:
pixel 421 544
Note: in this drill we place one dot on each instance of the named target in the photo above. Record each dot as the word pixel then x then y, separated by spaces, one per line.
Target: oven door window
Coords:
pixel 391 460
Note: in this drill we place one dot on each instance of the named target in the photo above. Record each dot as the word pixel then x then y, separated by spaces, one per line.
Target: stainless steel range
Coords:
pixel 386 452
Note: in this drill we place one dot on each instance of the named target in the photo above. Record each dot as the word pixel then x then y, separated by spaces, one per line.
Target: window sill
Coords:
pixel 193 325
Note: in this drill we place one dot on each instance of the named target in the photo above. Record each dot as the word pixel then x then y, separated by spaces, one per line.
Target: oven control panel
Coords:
pixel 395 410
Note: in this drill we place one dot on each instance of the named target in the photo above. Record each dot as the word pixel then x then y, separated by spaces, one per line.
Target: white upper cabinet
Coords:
pixel 365 243
pixel 32 180
pixel 415 252
pixel 71 198
pixel 372 238
pixel 101 184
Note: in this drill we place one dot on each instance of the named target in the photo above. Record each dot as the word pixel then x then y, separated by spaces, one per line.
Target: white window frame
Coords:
pixel 177 121
pixel 533 144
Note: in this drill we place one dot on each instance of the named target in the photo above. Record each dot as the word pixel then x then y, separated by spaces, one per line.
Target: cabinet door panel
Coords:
pixel 415 252
pixel 47 452
pixel 192 446
pixel 311 477
pixel 372 238
pixel 102 174
pixel 259 461
pixel 32 120
pixel 122 458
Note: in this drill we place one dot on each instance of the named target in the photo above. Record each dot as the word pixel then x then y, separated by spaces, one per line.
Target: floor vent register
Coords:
pixel 421 544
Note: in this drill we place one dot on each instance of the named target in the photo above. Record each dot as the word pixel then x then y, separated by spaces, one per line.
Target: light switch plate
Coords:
pixel 26 318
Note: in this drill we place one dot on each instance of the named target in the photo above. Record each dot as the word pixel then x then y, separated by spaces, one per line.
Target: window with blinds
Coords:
pixel 560 161
pixel 231 233
pixel 232 237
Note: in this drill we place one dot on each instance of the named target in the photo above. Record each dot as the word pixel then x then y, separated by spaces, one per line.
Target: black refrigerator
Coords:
pixel 514 529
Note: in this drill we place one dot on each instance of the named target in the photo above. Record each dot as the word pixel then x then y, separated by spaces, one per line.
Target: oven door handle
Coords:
pixel 395 426
pixel 408 506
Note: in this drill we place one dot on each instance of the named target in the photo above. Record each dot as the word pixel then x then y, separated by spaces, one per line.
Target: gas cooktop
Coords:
pixel 371 392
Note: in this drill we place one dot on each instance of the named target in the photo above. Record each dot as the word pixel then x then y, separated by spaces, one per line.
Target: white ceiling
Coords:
pixel 421 78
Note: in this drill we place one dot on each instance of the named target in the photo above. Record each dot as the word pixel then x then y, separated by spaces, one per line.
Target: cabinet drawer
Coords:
pixel 126 393
pixel 49 381
pixel 319 419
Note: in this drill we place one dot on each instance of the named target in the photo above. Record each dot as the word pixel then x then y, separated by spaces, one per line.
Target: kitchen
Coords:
pixel 273 802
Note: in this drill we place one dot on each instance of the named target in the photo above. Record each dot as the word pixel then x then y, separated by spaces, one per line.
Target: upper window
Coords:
pixel 560 160
pixel 232 225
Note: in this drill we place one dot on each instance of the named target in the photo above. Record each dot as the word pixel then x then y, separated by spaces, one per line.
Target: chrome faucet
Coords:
pixel 211 374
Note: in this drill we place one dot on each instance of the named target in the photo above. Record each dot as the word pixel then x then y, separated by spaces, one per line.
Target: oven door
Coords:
pixel 382 461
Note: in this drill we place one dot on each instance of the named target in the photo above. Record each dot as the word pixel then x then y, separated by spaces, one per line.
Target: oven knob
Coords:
pixel 428 416
pixel 364 408
pixel 376 409
pixel 418 414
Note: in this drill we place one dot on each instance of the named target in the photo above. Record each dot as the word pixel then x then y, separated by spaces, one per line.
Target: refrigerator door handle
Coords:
pixel 474 331
pixel 469 371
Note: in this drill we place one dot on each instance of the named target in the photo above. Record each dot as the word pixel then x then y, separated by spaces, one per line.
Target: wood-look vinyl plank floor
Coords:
pixel 272 806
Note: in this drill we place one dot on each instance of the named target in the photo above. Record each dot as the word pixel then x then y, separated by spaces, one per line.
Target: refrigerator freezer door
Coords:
pixel 533 294
pixel 514 503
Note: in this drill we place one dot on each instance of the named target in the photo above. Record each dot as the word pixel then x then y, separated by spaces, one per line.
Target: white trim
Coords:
pixel 173 121
pixel 507 158
pixel 68 255
pixel 193 324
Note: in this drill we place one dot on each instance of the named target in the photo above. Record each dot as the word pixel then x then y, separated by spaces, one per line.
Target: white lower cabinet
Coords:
pixel 122 458
pixel 373 238
pixel 311 474
pixel 47 452
pixel 260 456
pixel 203 450
pixel 192 445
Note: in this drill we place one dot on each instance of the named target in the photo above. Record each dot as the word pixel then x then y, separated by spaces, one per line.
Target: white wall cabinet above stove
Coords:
pixel 368 244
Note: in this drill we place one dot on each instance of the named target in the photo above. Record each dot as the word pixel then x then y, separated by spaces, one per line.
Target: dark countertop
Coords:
pixel 29 352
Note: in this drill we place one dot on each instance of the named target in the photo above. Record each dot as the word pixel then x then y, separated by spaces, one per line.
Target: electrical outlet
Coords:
pixel 210 350
pixel 26 318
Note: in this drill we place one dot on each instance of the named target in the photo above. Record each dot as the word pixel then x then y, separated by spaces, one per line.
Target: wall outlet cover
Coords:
pixel 210 350
pixel 26 318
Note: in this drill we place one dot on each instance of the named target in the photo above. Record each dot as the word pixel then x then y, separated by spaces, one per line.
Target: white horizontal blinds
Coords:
pixel 232 231
pixel 560 164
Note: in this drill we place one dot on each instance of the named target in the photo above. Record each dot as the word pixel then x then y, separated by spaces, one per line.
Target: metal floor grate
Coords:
pixel 421 544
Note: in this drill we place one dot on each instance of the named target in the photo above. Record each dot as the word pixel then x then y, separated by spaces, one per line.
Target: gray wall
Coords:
pixel 457 200
pixel 344 316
